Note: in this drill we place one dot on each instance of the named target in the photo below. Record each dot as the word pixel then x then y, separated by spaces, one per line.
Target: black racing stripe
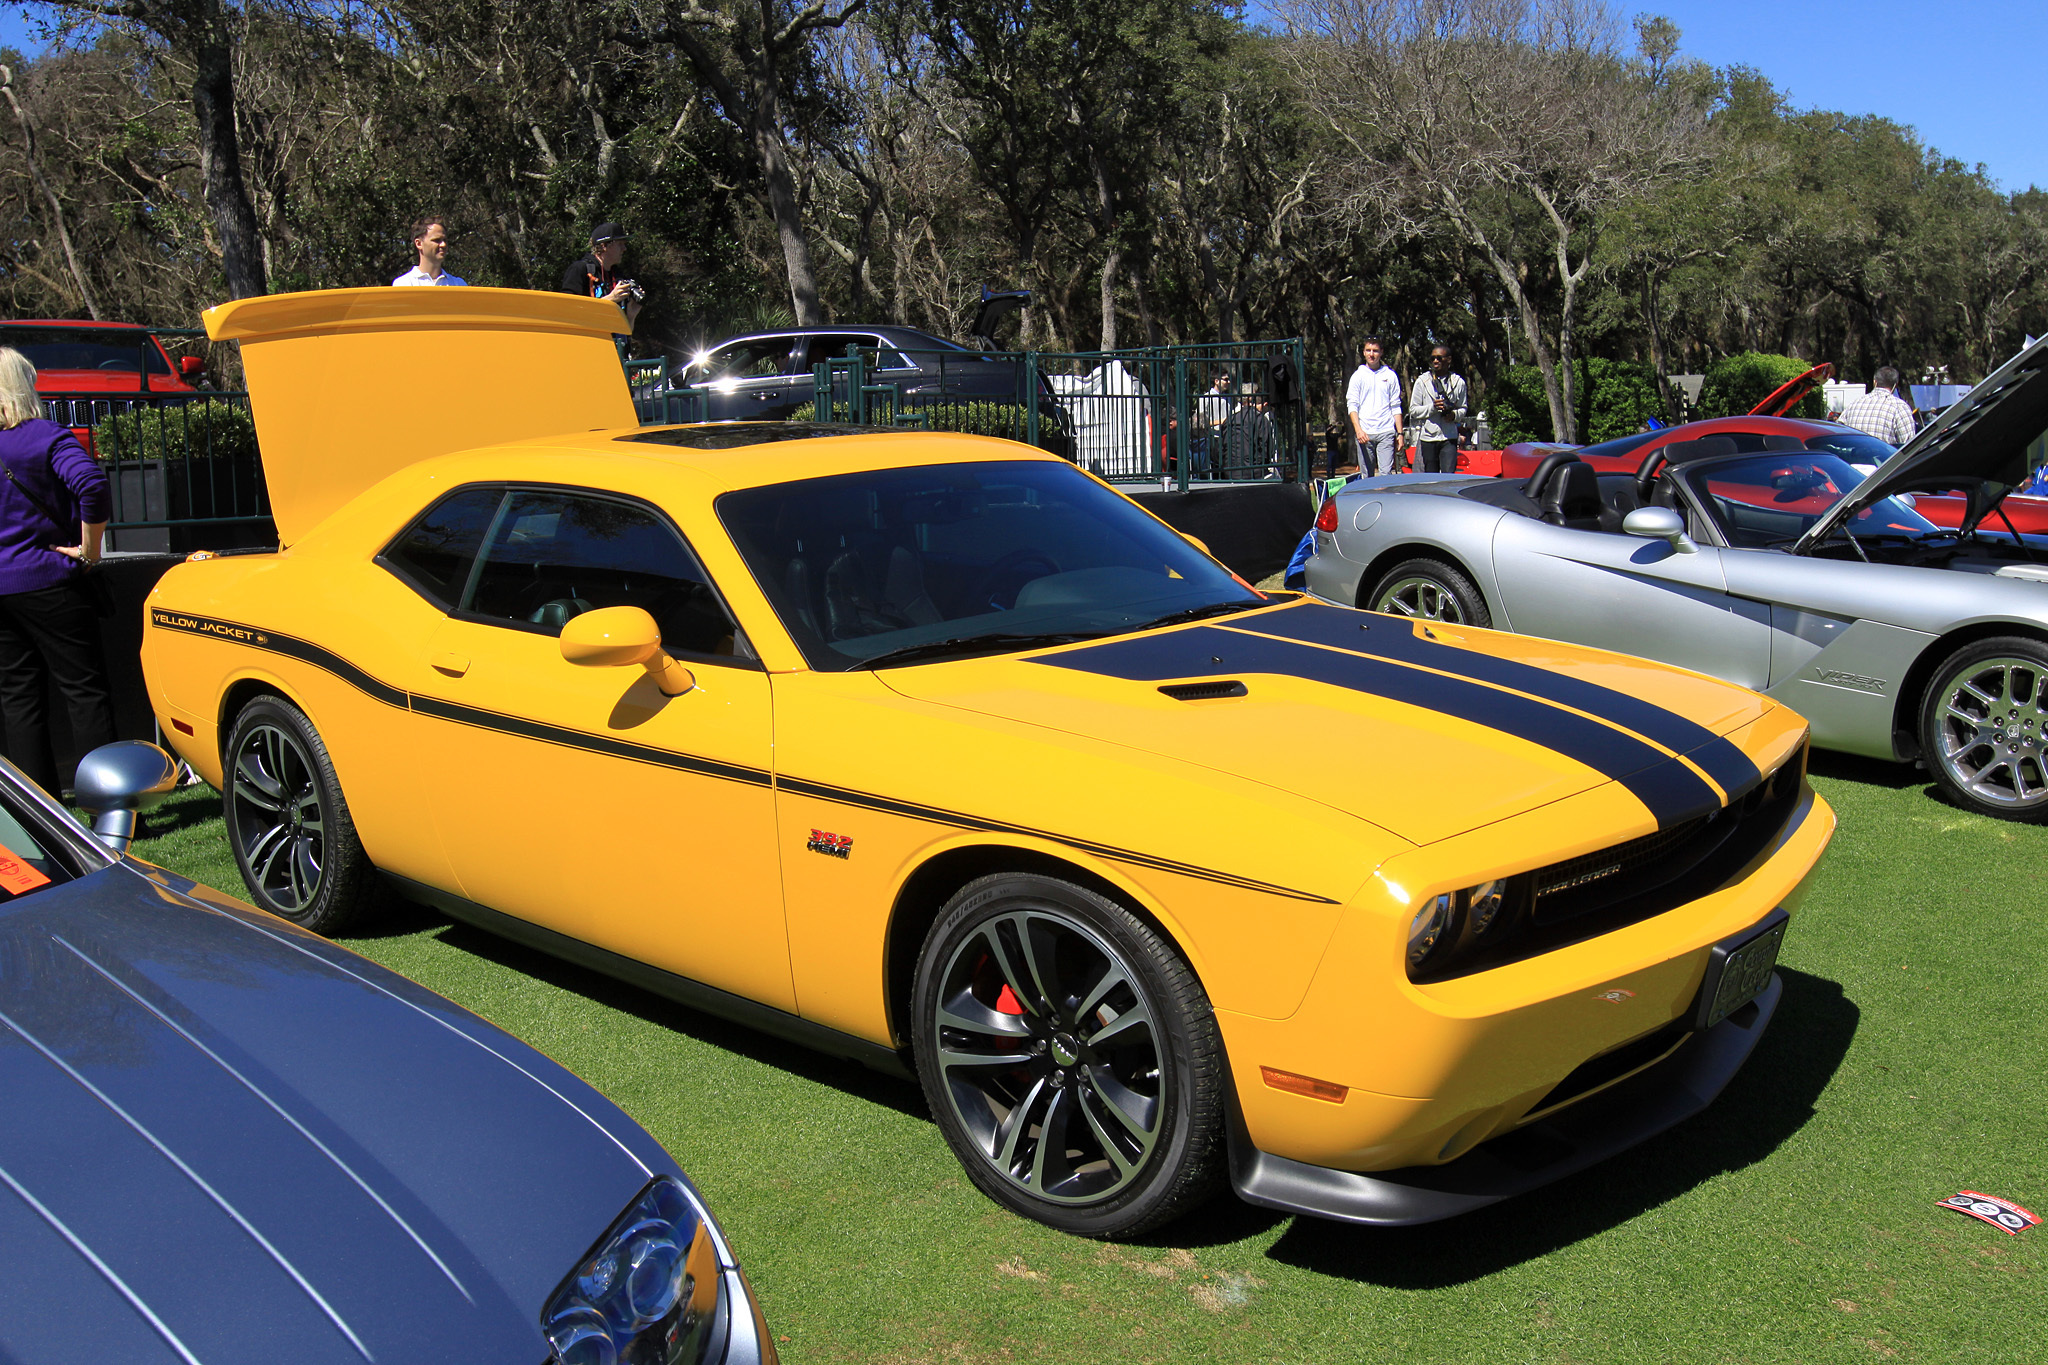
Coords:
pixel 288 645
pixel 583 739
pixel 934 814
pixel 1341 628
pixel 306 652
pixel 1672 791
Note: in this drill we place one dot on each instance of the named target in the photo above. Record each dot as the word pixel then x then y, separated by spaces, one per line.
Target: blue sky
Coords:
pixel 1964 74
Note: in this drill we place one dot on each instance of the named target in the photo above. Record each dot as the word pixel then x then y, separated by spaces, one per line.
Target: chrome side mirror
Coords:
pixel 621 637
pixel 1659 523
pixel 117 781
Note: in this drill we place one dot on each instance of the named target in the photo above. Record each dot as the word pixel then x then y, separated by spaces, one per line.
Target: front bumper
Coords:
pixel 1574 1138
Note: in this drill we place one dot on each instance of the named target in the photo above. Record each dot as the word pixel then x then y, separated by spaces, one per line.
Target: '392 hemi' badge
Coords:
pixel 831 845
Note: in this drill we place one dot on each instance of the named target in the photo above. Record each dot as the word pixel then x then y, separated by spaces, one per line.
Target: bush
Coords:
pixel 988 417
pixel 1735 385
pixel 212 429
pixel 1610 398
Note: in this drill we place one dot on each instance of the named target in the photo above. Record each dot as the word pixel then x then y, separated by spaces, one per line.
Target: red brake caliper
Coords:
pixel 1007 1002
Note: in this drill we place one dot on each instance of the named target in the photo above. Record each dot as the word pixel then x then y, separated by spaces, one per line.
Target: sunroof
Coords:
pixel 732 435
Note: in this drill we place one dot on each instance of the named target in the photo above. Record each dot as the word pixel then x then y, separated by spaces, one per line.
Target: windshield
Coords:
pixel 1773 498
pixel 962 559
pixel 86 348
pixel 1857 447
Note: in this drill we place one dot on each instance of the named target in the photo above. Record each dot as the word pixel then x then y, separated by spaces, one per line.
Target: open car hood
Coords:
pixel 1787 396
pixel 349 385
pixel 1979 445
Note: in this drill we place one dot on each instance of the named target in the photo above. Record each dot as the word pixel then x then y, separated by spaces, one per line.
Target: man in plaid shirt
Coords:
pixel 1881 412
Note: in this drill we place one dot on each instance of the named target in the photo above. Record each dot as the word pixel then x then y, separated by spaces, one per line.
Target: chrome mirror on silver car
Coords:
pixel 1659 523
pixel 117 781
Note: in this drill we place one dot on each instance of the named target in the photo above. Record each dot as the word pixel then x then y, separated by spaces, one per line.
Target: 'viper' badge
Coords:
pixel 831 845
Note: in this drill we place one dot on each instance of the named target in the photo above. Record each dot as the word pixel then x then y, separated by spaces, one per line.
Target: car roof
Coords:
pixel 75 322
pixel 887 331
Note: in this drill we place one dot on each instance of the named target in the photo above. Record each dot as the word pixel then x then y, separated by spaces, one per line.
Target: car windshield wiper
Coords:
pixel 992 643
pixel 1174 618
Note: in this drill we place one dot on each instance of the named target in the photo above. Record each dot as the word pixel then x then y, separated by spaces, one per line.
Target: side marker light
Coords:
pixel 1295 1084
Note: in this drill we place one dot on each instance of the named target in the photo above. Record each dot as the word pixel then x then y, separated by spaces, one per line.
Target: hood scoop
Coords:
pixel 1205 691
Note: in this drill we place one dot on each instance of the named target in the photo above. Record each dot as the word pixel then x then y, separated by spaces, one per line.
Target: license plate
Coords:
pixel 1738 969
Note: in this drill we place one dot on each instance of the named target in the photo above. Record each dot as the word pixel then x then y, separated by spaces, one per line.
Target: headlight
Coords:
pixel 1459 916
pixel 644 1292
pixel 1426 931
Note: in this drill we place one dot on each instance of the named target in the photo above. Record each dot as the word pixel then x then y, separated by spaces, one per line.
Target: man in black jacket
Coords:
pixel 597 276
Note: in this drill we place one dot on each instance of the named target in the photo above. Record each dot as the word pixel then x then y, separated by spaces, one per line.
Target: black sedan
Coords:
pixel 226 1139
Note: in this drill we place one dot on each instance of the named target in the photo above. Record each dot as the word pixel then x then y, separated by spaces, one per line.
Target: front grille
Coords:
pixel 1612 1066
pixel 1596 893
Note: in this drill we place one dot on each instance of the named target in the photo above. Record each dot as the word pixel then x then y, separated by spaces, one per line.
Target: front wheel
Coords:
pixel 1984 728
pixel 288 824
pixel 1429 590
pixel 1070 1057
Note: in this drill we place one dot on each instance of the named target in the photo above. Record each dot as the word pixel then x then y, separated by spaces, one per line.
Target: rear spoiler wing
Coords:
pixel 350 385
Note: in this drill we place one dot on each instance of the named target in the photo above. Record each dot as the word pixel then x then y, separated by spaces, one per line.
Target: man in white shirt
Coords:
pixel 430 240
pixel 1210 411
pixel 1881 412
pixel 1373 400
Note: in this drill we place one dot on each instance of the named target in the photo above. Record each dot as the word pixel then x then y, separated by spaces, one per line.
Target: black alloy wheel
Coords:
pixel 1069 1056
pixel 1429 590
pixel 288 824
pixel 1984 728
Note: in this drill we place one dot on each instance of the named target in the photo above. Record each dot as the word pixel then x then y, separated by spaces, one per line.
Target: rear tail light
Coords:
pixel 1326 519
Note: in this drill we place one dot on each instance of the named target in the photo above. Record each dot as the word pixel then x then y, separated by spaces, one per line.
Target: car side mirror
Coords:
pixel 1659 523
pixel 623 637
pixel 189 366
pixel 116 781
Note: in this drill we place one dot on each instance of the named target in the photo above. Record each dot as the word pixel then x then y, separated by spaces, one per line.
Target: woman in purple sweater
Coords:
pixel 53 513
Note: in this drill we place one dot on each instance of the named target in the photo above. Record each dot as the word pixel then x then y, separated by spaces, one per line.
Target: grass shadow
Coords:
pixel 1767 1102
pixel 847 1076
pixel 1870 772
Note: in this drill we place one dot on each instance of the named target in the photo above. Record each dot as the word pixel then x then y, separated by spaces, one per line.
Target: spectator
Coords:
pixel 1436 402
pixel 1250 442
pixel 1212 409
pixel 430 241
pixel 1881 412
pixel 53 513
pixel 1373 399
pixel 597 275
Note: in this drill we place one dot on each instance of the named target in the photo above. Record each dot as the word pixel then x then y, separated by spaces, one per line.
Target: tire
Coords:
pixel 1984 728
pixel 1429 590
pixel 289 825
pixel 1004 1058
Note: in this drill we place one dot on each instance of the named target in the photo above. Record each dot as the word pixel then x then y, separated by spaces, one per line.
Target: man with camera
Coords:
pixel 597 275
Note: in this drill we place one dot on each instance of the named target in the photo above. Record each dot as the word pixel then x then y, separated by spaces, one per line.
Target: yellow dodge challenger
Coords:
pixel 937 752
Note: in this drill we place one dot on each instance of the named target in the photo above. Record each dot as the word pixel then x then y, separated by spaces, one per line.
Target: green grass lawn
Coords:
pixel 1794 1221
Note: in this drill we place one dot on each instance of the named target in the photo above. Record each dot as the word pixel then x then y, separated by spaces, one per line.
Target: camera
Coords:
pixel 633 290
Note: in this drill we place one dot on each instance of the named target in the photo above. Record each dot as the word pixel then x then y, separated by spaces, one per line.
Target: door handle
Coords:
pixel 454 665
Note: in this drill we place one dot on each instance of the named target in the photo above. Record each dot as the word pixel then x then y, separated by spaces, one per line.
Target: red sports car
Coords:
pixel 1625 455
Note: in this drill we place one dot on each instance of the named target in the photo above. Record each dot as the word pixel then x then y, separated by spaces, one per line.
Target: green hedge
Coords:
pixel 1611 398
pixel 212 429
pixel 1735 385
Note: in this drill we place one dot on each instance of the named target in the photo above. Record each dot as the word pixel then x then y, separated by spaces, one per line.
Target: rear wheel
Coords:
pixel 1984 728
pixel 288 824
pixel 1069 1056
pixel 1429 590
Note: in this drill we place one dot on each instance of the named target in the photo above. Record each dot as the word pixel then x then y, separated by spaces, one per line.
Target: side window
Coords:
pixel 435 552
pixel 749 360
pixel 556 555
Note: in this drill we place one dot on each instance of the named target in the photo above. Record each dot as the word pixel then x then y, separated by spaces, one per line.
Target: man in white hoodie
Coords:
pixel 1373 401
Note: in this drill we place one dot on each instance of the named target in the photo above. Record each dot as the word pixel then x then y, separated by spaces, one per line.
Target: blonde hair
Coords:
pixel 19 401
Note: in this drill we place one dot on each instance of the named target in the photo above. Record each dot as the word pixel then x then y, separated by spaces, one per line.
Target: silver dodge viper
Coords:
pixel 1775 564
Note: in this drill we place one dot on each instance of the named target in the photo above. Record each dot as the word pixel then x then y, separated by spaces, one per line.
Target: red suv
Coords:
pixel 88 370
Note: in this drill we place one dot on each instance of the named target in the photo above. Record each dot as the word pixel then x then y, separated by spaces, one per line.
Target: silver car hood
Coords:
pixel 1980 445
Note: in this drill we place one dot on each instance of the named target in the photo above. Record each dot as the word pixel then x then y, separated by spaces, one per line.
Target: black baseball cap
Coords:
pixel 605 232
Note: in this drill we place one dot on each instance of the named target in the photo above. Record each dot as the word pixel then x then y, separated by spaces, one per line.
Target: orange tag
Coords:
pixel 17 876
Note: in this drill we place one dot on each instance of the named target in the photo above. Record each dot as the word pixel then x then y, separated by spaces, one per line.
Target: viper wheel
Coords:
pixel 288 824
pixel 1984 728
pixel 1429 590
pixel 1069 1056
